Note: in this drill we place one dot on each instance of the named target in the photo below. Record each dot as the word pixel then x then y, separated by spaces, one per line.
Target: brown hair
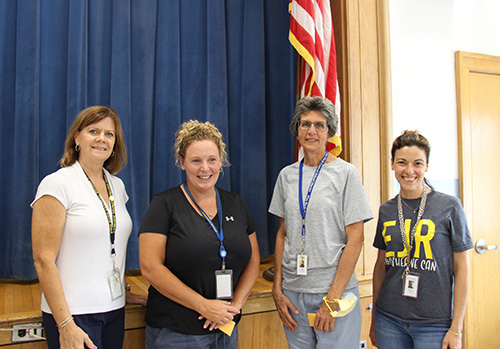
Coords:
pixel 193 130
pixel 90 116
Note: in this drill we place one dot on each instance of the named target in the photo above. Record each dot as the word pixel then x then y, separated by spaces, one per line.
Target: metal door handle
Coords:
pixel 482 247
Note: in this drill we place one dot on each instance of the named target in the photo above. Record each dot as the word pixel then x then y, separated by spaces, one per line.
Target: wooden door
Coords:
pixel 478 96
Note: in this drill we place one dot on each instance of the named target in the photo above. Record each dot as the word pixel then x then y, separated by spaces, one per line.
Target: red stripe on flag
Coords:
pixel 311 34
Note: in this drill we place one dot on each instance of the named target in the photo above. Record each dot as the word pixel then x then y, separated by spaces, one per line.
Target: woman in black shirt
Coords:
pixel 198 249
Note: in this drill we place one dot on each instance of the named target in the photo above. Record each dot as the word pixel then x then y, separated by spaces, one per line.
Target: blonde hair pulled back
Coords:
pixel 192 131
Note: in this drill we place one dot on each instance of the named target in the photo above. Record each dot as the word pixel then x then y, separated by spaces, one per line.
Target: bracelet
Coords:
pixel 455 333
pixel 65 322
pixel 328 305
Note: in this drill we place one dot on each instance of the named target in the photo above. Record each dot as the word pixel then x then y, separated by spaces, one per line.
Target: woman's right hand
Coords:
pixel 282 305
pixel 217 313
pixel 73 337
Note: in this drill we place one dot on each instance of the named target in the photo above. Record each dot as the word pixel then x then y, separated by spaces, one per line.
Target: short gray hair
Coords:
pixel 322 105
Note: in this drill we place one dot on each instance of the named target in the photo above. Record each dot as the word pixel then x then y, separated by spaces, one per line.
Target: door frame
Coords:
pixel 466 63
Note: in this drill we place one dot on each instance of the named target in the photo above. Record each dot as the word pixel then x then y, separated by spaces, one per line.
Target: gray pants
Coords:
pixel 347 330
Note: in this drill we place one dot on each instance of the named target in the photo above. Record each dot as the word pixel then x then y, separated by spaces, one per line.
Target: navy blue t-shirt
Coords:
pixel 441 231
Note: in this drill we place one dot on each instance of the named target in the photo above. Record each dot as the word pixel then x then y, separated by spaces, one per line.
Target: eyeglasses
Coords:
pixel 320 126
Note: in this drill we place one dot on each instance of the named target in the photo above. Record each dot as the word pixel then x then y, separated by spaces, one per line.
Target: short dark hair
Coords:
pixel 412 138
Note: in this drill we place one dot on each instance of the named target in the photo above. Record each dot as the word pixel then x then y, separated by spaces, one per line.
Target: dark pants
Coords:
pixel 164 338
pixel 106 330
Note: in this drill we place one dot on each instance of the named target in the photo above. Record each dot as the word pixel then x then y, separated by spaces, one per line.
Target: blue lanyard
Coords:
pixel 303 206
pixel 220 234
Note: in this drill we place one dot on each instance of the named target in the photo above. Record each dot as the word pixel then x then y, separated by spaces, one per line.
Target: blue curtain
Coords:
pixel 158 63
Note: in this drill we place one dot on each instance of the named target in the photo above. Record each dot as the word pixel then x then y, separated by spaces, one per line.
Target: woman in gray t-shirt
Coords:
pixel 322 206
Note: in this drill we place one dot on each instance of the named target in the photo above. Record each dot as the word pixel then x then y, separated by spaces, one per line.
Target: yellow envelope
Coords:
pixel 311 318
pixel 228 328
pixel 346 305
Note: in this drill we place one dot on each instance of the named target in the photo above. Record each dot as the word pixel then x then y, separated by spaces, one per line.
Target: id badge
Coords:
pixel 410 285
pixel 115 286
pixel 301 264
pixel 224 284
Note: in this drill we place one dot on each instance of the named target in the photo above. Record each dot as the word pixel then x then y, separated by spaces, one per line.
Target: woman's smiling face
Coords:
pixel 202 164
pixel 409 165
pixel 96 141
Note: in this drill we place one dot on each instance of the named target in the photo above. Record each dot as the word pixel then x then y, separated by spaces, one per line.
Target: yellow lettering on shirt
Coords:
pixel 424 239
pixel 387 238
pixel 404 253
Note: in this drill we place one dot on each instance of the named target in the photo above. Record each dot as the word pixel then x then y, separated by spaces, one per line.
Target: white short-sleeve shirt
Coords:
pixel 84 258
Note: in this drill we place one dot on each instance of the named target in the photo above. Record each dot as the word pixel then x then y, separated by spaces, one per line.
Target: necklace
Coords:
pixel 411 208
pixel 211 215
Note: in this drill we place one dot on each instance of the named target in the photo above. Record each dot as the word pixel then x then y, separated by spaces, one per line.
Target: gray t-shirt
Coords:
pixel 337 200
pixel 441 231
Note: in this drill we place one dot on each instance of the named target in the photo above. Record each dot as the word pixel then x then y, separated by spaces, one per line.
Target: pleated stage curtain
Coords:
pixel 158 63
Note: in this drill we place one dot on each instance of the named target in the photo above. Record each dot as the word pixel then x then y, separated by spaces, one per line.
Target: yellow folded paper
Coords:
pixel 346 305
pixel 311 317
pixel 228 328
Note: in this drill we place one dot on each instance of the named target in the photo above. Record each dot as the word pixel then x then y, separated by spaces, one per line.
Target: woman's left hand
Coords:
pixel 132 298
pixel 324 321
pixel 452 341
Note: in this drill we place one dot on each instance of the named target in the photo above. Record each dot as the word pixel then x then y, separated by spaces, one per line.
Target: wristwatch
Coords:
pixel 127 287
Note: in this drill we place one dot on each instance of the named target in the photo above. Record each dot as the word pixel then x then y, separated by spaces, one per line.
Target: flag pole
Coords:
pixel 298 83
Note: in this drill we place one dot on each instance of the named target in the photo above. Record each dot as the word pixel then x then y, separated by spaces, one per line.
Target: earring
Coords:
pixel 112 154
pixel 77 147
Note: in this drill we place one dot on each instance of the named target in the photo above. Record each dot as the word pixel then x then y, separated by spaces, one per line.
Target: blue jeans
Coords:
pixel 347 329
pixel 163 338
pixel 396 334
pixel 106 330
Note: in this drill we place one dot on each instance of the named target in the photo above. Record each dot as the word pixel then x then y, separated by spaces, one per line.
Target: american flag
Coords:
pixel 311 34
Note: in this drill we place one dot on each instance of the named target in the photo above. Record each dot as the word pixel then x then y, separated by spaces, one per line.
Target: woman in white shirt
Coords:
pixel 80 230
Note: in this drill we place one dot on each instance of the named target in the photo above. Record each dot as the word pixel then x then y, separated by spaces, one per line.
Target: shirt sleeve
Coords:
pixel 54 185
pixel 252 225
pixel 120 187
pixel 157 217
pixel 460 235
pixel 378 241
pixel 277 205
pixel 356 205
